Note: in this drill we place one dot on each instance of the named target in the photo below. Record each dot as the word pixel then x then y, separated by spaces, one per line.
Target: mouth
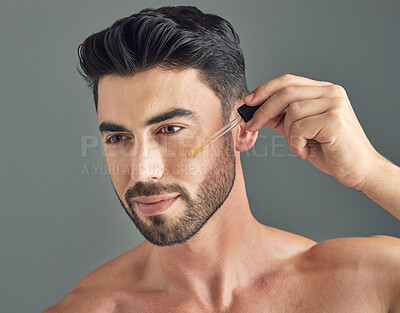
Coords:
pixel 154 205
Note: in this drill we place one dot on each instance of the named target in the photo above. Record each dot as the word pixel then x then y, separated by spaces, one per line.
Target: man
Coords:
pixel 164 80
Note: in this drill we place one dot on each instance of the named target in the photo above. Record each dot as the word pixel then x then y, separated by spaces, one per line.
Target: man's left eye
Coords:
pixel 170 129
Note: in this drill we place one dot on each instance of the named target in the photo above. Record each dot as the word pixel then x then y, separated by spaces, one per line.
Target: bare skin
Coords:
pixel 234 263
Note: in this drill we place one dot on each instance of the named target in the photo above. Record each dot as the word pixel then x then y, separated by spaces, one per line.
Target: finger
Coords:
pixel 263 92
pixel 302 109
pixel 277 122
pixel 311 127
pixel 285 96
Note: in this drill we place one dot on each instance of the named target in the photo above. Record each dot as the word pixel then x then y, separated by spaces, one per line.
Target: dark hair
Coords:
pixel 169 37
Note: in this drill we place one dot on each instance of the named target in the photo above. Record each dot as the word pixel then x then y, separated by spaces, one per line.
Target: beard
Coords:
pixel 211 193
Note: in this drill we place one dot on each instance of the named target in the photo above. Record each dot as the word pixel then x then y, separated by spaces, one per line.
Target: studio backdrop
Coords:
pixel 60 217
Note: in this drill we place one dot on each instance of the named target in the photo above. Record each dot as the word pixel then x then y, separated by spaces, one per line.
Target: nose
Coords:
pixel 148 163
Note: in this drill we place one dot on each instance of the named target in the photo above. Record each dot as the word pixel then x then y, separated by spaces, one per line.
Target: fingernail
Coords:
pixel 249 97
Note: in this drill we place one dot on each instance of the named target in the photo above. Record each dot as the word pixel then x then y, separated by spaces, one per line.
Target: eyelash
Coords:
pixel 109 142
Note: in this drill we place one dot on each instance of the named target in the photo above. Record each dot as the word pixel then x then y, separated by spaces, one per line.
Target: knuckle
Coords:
pixel 260 111
pixel 261 90
pixel 295 142
pixel 257 90
pixel 287 77
pixel 293 108
pixel 339 102
pixel 263 113
pixel 296 126
pixel 337 90
pixel 259 115
pixel 288 90
pixel 335 115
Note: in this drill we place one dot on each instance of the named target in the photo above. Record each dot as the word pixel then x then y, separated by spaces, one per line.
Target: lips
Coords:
pixel 155 204
pixel 153 199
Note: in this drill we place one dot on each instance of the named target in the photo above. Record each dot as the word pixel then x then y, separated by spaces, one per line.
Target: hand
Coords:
pixel 318 123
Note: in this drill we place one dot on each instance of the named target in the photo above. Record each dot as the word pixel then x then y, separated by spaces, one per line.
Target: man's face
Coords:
pixel 149 123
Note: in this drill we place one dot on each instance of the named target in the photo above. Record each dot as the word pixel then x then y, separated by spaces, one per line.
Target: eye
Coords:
pixel 170 129
pixel 115 139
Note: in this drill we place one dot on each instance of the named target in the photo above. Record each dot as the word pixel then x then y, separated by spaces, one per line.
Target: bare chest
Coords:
pixel 313 294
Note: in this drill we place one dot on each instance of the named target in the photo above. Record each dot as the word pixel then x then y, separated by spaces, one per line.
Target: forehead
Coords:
pixel 146 93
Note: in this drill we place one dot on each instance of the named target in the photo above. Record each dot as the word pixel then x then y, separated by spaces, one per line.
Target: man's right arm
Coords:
pixel 383 186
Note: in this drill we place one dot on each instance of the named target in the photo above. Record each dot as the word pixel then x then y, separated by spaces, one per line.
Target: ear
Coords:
pixel 244 139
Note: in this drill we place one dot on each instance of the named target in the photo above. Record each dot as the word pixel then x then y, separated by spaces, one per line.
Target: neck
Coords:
pixel 224 255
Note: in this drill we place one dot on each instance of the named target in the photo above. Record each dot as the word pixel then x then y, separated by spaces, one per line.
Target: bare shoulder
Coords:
pixel 92 300
pixel 373 263
pixel 373 251
pixel 79 302
pixel 108 288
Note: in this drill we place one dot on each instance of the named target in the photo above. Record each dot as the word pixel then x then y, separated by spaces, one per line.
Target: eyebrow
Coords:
pixel 106 127
pixel 177 112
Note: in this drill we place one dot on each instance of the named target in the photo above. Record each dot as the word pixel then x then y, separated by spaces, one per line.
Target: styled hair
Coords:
pixel 170 37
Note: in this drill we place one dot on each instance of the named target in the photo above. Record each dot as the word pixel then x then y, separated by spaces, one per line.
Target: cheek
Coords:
pixel 177 146
pixel 119 168
pixel 180 168
pixel 189 171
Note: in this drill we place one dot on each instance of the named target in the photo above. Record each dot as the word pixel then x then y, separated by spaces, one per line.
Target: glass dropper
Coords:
pixel 245 114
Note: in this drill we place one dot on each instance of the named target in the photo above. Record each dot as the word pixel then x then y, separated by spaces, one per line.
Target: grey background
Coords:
pixel 58 223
